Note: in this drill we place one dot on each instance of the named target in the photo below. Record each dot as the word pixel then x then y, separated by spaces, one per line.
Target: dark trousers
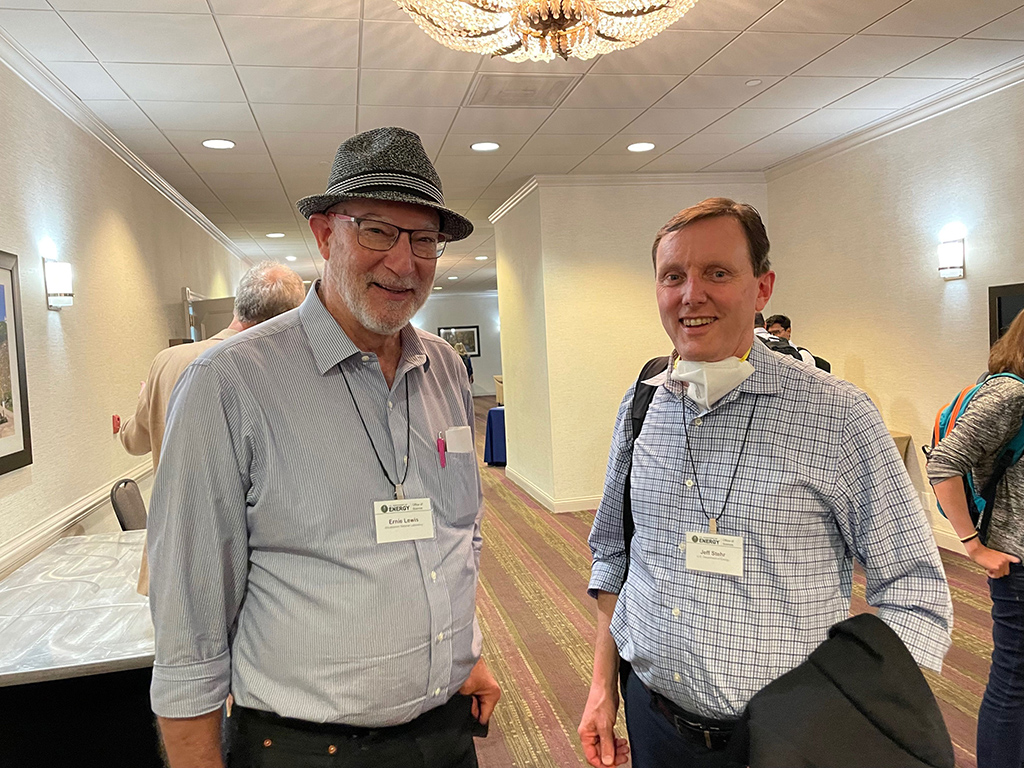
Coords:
pixel 440 738
pixel 1001 717
pixel 655 743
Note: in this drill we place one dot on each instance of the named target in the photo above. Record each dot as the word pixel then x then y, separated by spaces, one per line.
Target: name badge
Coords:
pixel 403 520
pixel 714 553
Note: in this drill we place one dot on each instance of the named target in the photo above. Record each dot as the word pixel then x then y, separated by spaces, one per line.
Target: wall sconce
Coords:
pixel 57 278
pixel 951 251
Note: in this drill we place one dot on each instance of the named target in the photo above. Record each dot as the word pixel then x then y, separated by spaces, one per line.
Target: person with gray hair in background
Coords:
pixel 265 290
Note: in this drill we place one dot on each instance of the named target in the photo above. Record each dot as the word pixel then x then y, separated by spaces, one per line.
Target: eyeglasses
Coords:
pixel 381 236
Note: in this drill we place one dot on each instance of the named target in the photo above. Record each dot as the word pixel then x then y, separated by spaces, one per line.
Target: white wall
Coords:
pixel 132 251
pixel 480 309
pixel 854 241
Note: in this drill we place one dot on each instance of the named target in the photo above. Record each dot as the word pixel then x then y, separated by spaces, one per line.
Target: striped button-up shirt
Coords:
pixel 820 482
pixel 266 578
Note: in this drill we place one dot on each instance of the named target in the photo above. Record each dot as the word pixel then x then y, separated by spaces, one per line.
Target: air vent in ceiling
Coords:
pixel 503 90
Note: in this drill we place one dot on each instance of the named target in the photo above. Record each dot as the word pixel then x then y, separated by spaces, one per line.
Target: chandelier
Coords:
pixel 539 30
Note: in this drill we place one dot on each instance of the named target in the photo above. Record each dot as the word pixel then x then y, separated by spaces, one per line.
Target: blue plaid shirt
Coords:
pixel 819 483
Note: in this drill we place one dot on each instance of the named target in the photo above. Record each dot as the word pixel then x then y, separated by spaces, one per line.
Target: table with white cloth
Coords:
pixel 76 656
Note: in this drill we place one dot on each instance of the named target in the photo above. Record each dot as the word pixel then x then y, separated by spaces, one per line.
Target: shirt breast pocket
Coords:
pixel 458 502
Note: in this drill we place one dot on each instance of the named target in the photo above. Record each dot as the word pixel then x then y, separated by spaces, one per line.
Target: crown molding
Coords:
pixel 624 180
pixel 458 295
pixel 39 78
pixel 901 121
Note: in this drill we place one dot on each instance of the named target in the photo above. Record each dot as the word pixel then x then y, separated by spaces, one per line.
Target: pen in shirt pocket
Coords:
pixel 441 448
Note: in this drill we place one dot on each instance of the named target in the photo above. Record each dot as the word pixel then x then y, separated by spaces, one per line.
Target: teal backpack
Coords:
pixel 978 502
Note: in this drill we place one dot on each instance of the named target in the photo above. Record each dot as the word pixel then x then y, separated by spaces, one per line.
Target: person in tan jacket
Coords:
pixel 265 290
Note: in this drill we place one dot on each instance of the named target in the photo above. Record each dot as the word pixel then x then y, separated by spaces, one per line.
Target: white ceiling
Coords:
pixel 288 80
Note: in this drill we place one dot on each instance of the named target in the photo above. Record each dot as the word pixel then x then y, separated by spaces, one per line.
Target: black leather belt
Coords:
pixel 714 734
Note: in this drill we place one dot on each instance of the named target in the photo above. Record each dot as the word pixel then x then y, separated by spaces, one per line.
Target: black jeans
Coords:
pixel 440 738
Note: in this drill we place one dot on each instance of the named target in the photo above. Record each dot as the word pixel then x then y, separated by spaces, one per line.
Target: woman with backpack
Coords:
pixel 991 420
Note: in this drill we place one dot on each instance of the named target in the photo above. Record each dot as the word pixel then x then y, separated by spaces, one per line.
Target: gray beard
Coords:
pixel 355 300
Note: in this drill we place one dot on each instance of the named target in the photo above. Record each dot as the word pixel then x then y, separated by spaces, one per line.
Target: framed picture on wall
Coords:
pixel 469 335
pixel 15 438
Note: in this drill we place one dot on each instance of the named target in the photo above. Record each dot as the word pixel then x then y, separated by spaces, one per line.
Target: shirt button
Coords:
pixel 682 545
pixel 437 691
pixel 697 422
pixel 440 636
pixel 676 677
pixel 675 611
pixel 390 404
pixel 365 358
pixel 689 482
pixel 433 575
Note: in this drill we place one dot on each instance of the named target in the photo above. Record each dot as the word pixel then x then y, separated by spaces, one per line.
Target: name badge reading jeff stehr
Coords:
pixel 714 553
pixel 403 520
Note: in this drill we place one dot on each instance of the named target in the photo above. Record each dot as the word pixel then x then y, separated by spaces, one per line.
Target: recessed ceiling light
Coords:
pixel 484 146
pixel 753 82
pixel 289 258
pixel 438 288
pixel 275 234
pixel 452 277
pixel 641 146
pixel 481 258
pixel 219 144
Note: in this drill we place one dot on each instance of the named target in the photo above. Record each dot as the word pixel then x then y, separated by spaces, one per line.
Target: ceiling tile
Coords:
pixel 291 42
pixel 321 9
pixel 199 116
pixel 480 120
pixel 227 162
pixel 1008 27
pixel 747 162
pixel 619 145
pixel 191 142
pixel 45 35
pixel 565 144
pixel 175 38
pixel 769 53
pixel 419 119
pixel 315 166
pixel 716 143
pixel 169 163
pixel 679 121
pixel 941 18
pixel 750 120
pixel 299 85
pixel 724 14
pixel 792 143
pixel 894 93
pixel 381 39
pixel 382 87
pixel 525 166
pixel 715 91
pixel 811 92
pixel 872 55
pixel 461 144
pixel 388 10
pixel 597 91
pixel 670 163
pixel 294 143
pixel 151 6
pixel 555 67
pixel 219 181
pixel 824 16
pixel 673 52
pixel 304 117
pixel 589 120
pixel 174 82
pixel 145 140
pixel 40 5
pixel 472 169
pixel 963 59
pixel 610 164
pixel 120 114
pixel 837 121
pixel 88 80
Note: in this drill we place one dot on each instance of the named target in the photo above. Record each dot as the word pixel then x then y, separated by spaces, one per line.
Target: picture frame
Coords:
pixel 469 335
pixel 15 431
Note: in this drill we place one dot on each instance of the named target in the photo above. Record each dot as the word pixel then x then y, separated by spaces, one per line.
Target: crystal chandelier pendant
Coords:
pixel 540 30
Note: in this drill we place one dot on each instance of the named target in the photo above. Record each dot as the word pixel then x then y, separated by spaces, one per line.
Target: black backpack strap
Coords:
pixel 643 394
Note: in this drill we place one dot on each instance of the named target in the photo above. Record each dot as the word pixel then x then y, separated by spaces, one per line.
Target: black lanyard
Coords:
pixel 399 489
pixel 713 521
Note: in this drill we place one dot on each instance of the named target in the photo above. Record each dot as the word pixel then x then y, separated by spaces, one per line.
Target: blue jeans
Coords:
pixel 1001 717
pixel 653 743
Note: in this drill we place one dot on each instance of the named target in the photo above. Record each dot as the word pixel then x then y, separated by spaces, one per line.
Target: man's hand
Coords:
pixel 995 563
pixel 596 730
pixel 484 689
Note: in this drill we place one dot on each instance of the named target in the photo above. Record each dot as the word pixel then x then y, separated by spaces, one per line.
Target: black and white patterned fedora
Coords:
pixel 386 164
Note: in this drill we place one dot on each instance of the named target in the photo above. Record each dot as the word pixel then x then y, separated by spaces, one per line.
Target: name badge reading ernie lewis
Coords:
pixel 714 553
pixel 403 520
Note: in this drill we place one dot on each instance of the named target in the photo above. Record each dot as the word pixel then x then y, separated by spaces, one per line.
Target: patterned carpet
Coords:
pixel 538 627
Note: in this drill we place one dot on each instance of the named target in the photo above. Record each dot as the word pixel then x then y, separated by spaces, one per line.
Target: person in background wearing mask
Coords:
pixel 737 569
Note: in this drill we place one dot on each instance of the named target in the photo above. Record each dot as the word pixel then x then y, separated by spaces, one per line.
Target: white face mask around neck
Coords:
pixel 707 383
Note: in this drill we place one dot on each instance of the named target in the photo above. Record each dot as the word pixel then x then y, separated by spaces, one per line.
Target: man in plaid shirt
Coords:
pixel 755 482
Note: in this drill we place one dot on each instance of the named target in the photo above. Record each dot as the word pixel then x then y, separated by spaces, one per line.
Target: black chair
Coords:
pixel 128 505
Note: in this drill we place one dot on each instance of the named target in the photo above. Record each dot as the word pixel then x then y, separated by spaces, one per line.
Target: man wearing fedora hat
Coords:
pixel 315 525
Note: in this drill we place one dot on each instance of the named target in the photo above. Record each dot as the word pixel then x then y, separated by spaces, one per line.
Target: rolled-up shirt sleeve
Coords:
pixel 198 547
pixel 607 541
pixel 881 518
